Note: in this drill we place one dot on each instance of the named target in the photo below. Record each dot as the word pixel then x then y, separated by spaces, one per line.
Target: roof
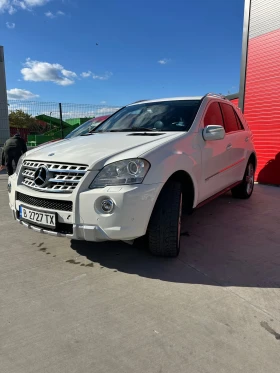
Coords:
pixel 168 99
pixel 214 95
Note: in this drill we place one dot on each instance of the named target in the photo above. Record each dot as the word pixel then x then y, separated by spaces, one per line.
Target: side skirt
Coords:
pixel 218 194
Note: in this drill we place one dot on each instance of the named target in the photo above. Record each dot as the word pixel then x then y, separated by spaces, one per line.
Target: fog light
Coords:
pixel 107 205
pixel 9 187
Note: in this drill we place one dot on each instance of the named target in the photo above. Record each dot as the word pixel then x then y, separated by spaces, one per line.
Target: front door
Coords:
pixel 215 157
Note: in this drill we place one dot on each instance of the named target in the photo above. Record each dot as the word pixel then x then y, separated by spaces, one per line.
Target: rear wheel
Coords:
pixel 164 231
pixel 245 189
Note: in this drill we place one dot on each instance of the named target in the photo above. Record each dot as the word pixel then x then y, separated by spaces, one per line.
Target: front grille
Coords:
pixel 51 204
pixel 60 177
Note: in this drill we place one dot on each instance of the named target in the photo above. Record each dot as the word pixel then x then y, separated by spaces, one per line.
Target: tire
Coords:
pixel 245 189
pixel 164 229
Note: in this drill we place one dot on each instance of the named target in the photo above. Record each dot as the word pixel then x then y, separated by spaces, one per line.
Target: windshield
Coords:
pixel 85 128
pixel 153 116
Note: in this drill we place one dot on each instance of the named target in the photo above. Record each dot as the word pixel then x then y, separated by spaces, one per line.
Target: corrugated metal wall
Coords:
pixel 265 17
pixel 262 87
pixel 235 101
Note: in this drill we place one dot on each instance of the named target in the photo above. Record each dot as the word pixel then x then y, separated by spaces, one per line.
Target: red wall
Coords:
pixel 235 101
pixel 262 103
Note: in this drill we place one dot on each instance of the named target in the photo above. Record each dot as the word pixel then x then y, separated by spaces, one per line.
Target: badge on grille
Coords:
pixel 41 176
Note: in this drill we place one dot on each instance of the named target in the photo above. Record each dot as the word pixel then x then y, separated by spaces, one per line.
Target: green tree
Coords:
pixel 19 119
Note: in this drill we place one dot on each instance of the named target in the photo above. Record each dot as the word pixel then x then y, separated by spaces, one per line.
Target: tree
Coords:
pixel 19 119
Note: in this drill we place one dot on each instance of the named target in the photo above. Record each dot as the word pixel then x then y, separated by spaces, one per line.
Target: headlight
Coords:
pixel 20 162
pixel 127 172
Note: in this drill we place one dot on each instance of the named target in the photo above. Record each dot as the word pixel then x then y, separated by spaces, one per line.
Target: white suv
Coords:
pixel 133 175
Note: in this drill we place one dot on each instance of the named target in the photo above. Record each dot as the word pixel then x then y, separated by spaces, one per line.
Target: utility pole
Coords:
pixel 61 125
pixel 4 115
pixel 51 120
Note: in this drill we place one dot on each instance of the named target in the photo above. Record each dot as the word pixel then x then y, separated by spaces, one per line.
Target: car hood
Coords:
pixel 94 150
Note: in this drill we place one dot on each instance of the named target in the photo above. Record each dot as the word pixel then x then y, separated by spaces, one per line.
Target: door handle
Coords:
pixel 229 146
pixel 247 139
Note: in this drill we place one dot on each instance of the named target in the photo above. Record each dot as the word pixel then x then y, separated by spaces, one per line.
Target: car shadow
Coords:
pixel 226 243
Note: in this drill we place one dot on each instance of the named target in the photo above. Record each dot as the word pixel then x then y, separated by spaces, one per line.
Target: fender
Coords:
pixel 172 157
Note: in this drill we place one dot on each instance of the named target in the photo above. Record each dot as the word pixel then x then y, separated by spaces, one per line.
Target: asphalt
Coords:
pixel 85 307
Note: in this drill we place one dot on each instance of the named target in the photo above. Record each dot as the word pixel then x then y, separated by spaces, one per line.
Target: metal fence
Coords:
pixel 49 119
pixel 68 111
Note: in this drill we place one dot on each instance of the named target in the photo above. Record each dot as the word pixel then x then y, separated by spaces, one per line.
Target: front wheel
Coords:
pixel 245 189
pixel 164 231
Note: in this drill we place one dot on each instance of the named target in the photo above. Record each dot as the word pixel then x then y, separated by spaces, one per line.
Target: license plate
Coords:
pixel 45 219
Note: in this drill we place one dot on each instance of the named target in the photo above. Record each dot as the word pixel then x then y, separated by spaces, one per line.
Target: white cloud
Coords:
pixel 86 74
pixel 107 110
pixel 50 15
pixel 17 106
pixel 10 25
pixel 103 102
pixel 20 4
pixel 164 61
pixel 68 73
pixel 11 6
pixel 4 5
pixel 106 76
pixel 32 3
pixel 37 71
pixel 11 10
pixel 54 15
pixel 20 94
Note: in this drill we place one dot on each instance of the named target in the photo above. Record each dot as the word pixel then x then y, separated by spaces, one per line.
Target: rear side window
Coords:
pixel 230 119
pixel 213 115
pixel 240 125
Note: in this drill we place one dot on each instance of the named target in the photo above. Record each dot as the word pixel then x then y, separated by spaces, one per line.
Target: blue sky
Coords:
pixel 146 49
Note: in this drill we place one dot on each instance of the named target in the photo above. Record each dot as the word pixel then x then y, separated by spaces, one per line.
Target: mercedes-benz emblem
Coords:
pixel 41 176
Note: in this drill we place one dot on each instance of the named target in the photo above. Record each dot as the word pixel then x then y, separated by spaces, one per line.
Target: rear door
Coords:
pixel 236 143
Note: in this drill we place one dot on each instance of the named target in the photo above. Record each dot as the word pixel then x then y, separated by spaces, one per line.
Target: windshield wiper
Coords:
pixel 143 129
pixel 134 129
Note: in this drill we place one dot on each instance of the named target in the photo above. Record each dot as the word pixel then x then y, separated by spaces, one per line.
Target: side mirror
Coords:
pixel 213 132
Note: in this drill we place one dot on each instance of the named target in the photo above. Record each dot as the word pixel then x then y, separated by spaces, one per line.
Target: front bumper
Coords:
pixel 129 219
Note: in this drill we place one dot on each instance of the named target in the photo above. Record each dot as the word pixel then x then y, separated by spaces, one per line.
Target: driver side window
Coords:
pixel 213 115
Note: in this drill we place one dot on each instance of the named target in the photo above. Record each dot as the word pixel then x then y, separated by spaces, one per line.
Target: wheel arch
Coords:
pixel 253 157
pixel 189 190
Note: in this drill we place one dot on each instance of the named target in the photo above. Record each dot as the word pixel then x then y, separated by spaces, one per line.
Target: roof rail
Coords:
pixel 216 95
pixel 139 101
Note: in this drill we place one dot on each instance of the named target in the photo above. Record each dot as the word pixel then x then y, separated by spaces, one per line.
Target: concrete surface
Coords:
pixel 79 307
